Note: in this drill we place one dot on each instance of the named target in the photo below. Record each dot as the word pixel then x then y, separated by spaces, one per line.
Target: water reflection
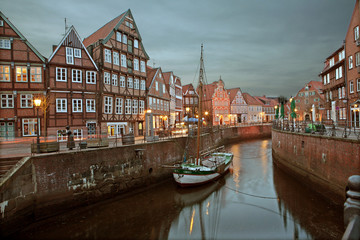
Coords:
pixel 255 200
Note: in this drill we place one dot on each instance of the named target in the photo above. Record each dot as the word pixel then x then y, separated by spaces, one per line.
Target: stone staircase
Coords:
pixel 6 164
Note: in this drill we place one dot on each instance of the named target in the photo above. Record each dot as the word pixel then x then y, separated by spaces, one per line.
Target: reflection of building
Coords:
pixel 254 109
pixel 118 51
pixel 190 100
pixel 73 85
pixel 334 87
pixel 217 102
pixel 22 79
pixel 158 98
pixel 352 52
pixel 310 98
pixel 238 109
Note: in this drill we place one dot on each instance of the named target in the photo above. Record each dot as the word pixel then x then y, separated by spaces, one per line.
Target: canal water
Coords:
pixel 255 200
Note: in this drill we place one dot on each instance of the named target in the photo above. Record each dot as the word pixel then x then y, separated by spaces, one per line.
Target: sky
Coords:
pixel 265 47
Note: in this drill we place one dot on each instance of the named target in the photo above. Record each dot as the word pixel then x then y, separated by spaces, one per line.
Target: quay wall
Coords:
pixel 324 163
pixel 48 184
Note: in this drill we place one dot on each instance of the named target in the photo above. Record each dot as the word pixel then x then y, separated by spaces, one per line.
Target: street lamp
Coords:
pixel 37 103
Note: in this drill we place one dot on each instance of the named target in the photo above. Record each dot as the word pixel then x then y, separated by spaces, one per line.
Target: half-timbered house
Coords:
pixel 73 89
pixel 170 85
pixel 22 74
pixel 190 101
pixel 178 100
pixel 158 98
pixel 238 108
pixel 254 109
pixel 118 51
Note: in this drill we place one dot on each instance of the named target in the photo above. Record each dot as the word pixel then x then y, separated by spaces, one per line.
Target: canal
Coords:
pixel 255 200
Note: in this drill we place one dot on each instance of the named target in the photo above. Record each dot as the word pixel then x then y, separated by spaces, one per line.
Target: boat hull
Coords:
pixel 189 178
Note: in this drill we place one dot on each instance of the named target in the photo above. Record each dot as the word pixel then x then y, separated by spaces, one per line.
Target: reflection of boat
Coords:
pixel 207 168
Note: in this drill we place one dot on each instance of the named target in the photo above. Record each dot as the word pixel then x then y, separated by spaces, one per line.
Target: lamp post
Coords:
pixel 37 103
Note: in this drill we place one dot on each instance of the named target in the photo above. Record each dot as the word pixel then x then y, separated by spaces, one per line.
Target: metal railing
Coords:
pixel 318 128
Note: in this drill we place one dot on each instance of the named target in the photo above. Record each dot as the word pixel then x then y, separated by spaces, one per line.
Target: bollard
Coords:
pixel 352 209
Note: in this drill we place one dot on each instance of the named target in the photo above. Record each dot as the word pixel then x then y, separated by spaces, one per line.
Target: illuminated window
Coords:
pixel 35 74
pixel 4 73
pixel 29 127
pixel 21 74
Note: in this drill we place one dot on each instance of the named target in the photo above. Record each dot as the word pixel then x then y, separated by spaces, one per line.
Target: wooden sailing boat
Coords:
pixel 206 168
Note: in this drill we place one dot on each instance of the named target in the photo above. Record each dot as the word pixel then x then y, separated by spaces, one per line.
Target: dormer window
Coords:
pixel 1 23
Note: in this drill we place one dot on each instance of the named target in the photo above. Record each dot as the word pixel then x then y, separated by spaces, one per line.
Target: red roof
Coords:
pixel 267 102
pixel 150 73
pixel 104 31
pixel 250 100
pixel 232 93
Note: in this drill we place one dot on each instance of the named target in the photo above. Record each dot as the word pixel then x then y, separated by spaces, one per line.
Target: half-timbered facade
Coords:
pixel 238 108
pixel 254 109
pixel 268 108
pixel 158 98
pixel 190 101
pixel 118 51
pixel 22 78
pixel 72 88
pixel 170 85
pixel 178 100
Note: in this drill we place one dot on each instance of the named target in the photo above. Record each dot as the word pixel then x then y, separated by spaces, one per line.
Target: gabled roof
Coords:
pixel 73 30
pixel 42 58
pixel 233 92
pixel 105 32
pixel 177 81
pixel 167 78
pixel 186 88
pixel 267 102
pixel 209 89
pixel 313 85
pixel 250 100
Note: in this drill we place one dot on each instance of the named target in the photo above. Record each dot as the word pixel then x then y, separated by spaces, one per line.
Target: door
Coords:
pixel 333 111
pixel 91 130
pixel 7 131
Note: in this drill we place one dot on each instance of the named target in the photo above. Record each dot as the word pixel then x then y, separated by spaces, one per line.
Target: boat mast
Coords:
pixel 200 106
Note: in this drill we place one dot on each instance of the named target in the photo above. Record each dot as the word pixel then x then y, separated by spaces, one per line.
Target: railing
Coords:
pixel 318 128
pixel 352 209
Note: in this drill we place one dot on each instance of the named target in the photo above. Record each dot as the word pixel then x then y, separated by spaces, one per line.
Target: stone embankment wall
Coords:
pixel 44 185
pixel 325 163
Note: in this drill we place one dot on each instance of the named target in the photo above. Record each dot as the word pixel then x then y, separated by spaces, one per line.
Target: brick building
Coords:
pixel 190 100
pixel 22 78
pixel 352 53
pixel 118 51
pixel 178 100
pixel 311 98
pixel 72 89
pixel 238 108
pixel 170 85
pixel 268 108
pixel 254 109
pixel 334 89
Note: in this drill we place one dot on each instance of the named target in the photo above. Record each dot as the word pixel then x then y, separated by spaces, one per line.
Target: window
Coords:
pixel 142 85
pixel 35 74
pixel 135 106
pixel 136 43
pixel 130 83
pixel 123 60
pixel 91 77
pixel 357 59
pixel 116 58
pixel 114 80
pixel 350 62
pixel 107 78
pixel 5 44
pixel 124 39
pixel 136 64
pixel 108 105
pixel 4 73
pixel 77 52
pixel 328 77
pixel 141 106
pixel 324 79
pixel 1 23
pixel 119 106
pixel 26 101
pixel 351 87
pixel 69 55
pixel 60 136
pixel 130 46
pixel 128 106
pixel 343 92
pixel 339 93
pixel 77 75
pixel 21 74
pixel 163 88
pixel 61 105
pixel 338 72
pixel 150 102
pixel 78 133
pixel 107 53
pixel 136 83
pixel 122 81
pixel 7 101
pixel 61 74
pixel 90 105
pixel 77 105
pixel 158 104
pixel 118 36
pixel 29 126
pixel 142 66
pixel 356 33
pixel 156 86
pixel 332 62
pixel 358 85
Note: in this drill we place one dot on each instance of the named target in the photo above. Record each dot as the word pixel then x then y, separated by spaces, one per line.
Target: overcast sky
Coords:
pixel 265 47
